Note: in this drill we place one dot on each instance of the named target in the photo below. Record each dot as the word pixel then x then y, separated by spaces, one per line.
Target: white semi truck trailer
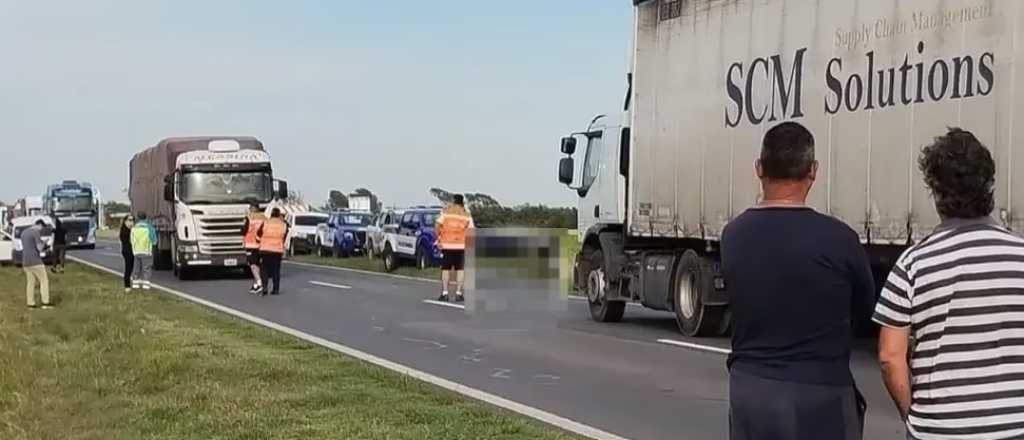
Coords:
pixel 197 192
pixel 874 80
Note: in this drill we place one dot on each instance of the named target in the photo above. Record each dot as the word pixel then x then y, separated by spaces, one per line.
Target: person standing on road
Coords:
pixel 60 245
pixel 33 250
pixel 143 237
pixel 125 234
pixel 954 302
pixel 451 227
pixel 797 281
pixel 272 235
pixel 252 224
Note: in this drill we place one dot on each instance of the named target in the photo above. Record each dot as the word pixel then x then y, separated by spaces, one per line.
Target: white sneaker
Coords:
pixel 127 290
pixel 145 285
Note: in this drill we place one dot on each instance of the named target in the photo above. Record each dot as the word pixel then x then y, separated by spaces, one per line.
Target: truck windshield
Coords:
pixel 72 204
pixel 226 187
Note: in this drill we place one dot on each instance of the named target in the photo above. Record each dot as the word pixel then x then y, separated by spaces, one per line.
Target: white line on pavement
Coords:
pixel 529 411
pixel 365 272
pixel 336 286
pixel 445 304
pixel 695 346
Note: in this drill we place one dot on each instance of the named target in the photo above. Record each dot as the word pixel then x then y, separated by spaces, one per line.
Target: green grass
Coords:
pixel 105 365
pixel 107 234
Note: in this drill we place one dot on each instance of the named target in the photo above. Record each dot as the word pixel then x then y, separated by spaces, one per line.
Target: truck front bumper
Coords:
pixel 196 259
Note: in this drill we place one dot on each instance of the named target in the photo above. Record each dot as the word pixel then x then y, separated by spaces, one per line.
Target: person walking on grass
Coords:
pixel 272 235
pixel 143 237
pixel 251 241
pixel 125 234
pixel 32 254
pixel 452 226
pixel 954 303
pixel 797 280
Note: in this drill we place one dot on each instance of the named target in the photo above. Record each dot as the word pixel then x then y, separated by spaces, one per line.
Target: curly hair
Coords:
pixel 960 173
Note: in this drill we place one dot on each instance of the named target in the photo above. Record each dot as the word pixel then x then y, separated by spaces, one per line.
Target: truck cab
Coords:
pixel 77 205
pixel 594 167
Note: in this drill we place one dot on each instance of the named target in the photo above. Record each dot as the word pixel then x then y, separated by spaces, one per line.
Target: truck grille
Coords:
pixel 76 228
pixel 219 235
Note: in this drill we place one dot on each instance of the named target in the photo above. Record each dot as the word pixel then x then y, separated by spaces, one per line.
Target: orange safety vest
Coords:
pixel 251 240
pixel 451 228
pixel 274 231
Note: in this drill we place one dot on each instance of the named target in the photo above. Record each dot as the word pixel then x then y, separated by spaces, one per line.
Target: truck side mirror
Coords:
pixel 169 190
pixel 282 189
pixel 569 145
pixel 566 169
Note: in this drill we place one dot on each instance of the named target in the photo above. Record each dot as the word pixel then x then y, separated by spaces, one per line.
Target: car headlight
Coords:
pixel 348 235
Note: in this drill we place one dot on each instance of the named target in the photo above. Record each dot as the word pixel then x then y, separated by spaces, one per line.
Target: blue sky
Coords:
pixel 397 96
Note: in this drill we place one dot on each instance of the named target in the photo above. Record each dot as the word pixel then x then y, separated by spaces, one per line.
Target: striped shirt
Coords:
pixel 961 292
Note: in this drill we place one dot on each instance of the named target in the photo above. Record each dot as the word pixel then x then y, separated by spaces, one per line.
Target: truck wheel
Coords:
pixel 693 278
pixel 597 287
pixel 389 259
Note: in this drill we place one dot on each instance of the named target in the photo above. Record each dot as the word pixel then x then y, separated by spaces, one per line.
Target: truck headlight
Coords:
pixel 188 248
pixel 349 236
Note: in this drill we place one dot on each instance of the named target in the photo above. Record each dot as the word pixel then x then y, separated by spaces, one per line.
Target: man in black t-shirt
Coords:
pixel 60 245
pixel 797 281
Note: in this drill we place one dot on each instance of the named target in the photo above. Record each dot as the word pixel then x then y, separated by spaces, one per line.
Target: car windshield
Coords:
pixel 226 187
pixel 354 220
pixel 309 220
pixel 72 204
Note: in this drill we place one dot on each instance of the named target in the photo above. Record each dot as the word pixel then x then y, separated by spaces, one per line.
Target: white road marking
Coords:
pixel 445 304
pixel 439 345
pixel 336 286
pixel 365 272
pixel 709 348
pixel 473 393
pixel 109 254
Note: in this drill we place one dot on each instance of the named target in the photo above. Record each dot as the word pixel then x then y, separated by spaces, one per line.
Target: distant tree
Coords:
pixel 474 201
pixel 113 207
pixel 336 200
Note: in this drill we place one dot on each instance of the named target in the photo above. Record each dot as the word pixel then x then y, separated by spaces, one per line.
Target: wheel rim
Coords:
pixel 595 286
pixel 684 296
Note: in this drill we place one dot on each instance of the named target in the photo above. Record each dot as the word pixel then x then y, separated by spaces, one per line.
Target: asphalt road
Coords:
pixel 615 377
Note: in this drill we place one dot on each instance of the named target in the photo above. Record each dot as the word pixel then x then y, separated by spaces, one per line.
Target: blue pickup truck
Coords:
pixel 412 239
pixel 343 234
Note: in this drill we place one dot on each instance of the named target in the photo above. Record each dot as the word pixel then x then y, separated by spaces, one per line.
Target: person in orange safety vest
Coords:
pixel 252 224
pixel 452 227
pixel 272 236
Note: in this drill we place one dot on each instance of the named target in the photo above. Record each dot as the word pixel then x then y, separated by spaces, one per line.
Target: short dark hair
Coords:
pixel 275 212
pixel 787 152
pixel 254 206
pixel 960 173
pixel 40 222
pixel 141 216
pixel 458 199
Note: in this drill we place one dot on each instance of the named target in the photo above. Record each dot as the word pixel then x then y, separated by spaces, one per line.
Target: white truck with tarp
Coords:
pixel 197 192
pixel 874 81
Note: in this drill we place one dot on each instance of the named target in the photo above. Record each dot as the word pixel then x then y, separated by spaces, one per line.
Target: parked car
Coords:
pixel 412 240
pixel 302 231
pixel 386 222
pixel 343 235
pixel 6 247
pixel 22 223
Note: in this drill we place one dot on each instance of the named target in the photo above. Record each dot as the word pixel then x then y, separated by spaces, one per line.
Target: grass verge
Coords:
pixel 106 365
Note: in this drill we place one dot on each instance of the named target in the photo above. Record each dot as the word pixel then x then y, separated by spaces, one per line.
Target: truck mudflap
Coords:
pixel 717 295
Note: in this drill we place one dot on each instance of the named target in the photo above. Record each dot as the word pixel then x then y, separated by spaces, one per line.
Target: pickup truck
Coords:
pixel 412 239
pixel 343 234
pixel 385 222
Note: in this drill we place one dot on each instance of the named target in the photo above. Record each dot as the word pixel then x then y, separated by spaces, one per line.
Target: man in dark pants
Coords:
pixel 60 245
pixel 272 235
pixel 797 281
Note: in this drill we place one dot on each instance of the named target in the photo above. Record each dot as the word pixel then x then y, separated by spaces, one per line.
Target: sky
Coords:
pixel 396 96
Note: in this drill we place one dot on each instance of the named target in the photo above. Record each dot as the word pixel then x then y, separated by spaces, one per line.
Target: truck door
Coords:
pixel 406 234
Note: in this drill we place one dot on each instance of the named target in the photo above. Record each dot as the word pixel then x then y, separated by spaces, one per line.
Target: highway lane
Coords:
pixel 615 377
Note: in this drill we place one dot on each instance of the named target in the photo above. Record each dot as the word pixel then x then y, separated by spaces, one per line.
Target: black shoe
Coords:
pixel 275 293
pixel 443 298
pixel 460 298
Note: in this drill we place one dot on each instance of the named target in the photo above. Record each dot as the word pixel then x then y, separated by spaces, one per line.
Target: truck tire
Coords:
pixel 692 278
pixel 389 259
pixel 597 287
pixel 163 260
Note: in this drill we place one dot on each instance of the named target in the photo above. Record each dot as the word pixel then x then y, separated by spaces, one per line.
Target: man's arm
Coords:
pixel 893 344
pixel 863 300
